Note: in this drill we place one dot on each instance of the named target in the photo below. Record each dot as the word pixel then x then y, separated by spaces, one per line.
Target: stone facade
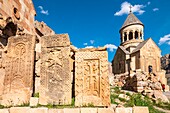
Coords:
pixel 126 61
pixel 42 29
pixel 137 55
pixel 22 12
pixel 135 52
pixel 55 70
pixel 91 77
pixel 19 67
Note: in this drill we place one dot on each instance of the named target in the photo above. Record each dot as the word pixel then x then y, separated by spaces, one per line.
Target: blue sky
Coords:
pixel 97 22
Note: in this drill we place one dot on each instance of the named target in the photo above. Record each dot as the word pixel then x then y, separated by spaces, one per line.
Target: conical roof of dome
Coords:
pixel 131 20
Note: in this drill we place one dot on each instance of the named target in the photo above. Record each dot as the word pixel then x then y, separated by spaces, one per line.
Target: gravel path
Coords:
pixel 167 94
pixel 163 110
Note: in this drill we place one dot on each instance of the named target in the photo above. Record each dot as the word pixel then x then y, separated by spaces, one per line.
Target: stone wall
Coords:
pixel 165 63
pixel 119 62
pixel 136 109
pixel 91 77
pixel 21 12
pixel 42 29
pixel 150 55
pixel 19 67
pixel 55 83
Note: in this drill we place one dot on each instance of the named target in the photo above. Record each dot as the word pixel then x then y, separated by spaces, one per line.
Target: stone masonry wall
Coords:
pixel 75 110
pixel 21 11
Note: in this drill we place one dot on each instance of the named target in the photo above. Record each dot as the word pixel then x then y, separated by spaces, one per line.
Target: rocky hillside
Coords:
pixel 165 63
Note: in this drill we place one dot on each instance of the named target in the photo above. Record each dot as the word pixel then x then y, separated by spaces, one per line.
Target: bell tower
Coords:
pixel 131 32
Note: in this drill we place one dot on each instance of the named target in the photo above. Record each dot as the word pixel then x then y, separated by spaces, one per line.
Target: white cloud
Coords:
pixel 92 41
pixel 111 47
pixel 168 43
pixel 165 39
pixel 155 9
pixel 45 12
pixel 149 3
pixel 89 47
pixel 125 8
pixel 85 44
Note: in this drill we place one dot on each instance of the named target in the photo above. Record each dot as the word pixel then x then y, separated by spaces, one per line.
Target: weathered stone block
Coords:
pixel 39 110
pixel 140 109
pixel 55 70
pixel 19 110
pixel 88 110
pixel 2 76
pixel 4 111
pixel 18 82
pixel 72 110
pixel 120 110
pixel 105 110
pixel 56 111
pixel 129 110
pixel 91 77
pixel 34 101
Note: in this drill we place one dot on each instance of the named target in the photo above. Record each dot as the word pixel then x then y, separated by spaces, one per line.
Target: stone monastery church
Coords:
pixel 134 52
pixel 36 60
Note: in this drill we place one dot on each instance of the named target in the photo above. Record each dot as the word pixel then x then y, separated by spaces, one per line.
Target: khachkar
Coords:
pixel 55 83
pixel 91 77
pixel 18 82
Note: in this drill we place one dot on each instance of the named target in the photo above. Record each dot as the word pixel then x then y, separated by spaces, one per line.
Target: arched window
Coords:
pixel 130 36
pixel 125 37
pixel 136 35
pixel 16 13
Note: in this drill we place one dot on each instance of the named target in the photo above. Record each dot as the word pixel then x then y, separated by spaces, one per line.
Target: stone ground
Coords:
pixel 163 110
pixel 167 94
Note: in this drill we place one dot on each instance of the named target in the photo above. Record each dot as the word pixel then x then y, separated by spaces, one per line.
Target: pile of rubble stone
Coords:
pixel 147 84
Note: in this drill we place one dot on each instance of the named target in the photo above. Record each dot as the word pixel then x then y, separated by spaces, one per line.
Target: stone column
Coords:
pixel 142 35
pixel 133 34
pixel 139 35
pixel 123 37
pixel 127 34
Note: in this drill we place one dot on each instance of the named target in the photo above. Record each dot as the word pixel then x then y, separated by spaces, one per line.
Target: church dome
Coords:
pixel 131 32
pixel 131 20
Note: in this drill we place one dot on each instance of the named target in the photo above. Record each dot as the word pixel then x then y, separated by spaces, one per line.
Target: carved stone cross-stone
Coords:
pixel 91 77
pixel 55 83
pixel 18 82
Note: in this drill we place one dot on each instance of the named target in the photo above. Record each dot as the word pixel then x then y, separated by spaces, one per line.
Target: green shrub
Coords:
pixel 117 90
pixel 36 95
pixel 113 97
pixel 73 102
pixel 1 106
pixel 163 105
pixel 128 94
pixel 139 100
pixel 90 105
pixel 122 99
